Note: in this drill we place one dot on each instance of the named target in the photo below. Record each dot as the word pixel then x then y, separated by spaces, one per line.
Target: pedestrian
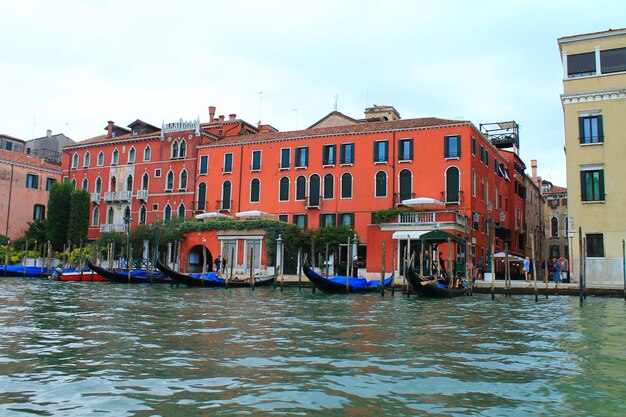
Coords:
pixel 556 275
pixel 480 268
pixel 355 266
pixel 442 266
pixel 216 264
pixel 526 268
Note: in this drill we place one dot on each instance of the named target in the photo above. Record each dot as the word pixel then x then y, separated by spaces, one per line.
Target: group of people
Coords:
pixel 219 264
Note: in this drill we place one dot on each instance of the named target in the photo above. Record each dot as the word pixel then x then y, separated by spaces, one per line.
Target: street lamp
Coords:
pixel 128 220
pixel 488 222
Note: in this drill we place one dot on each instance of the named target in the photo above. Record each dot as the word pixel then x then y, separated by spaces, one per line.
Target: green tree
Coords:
pixel 79 216
pixel 59 204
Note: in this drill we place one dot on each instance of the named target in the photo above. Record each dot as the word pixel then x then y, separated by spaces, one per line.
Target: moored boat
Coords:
pixel 210 279
pixel 340 284
pixel 21 271
pixel 74 275
pixel 136 276
pixel 431 288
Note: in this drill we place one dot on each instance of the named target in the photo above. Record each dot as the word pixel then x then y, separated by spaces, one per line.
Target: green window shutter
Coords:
pixel 581 130
pixel 445 146
pixel 601 183
pixel 458 144
pixel 583 186
pixel 600 129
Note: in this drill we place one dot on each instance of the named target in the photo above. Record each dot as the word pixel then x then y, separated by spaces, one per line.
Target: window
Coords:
pixel 381 184
pixel 405 150
pixel 406 185
pixel 329 185
pixel 300 188
pixel 73 182
pixel 95 217
pixel 157 173
pixel 49 183
pixel 226 187
pixel 155 207
pixel 473 183
pixel 228 163
pixel 182 150
pixel 181 210
pixel 613 60
pixel 39 212
pixel 314 191
pixel 487 158
pixel 347 153
pixel 129 183
pixel 300 220
pixel 167 212
pixel 554 251
pixel 592 185
pixel 169 180
pixel 554 227
pixel 452 185
pixel 452 146
pixel 255 190
pixel 302 157
pixel 329 155
pixel 327 219
pixel 590 129
pixel 142 215
pixel 283 218
pixel 201 203
pixel 283 194
pixel 204 164
pixel 473 146
pixel 113 184
pixel 86 160
pixel 131 155
pixel 346 185
pixel 84 185
pixel 182 180
pixel 174 154
pixel 100 161
pixel 381 151
pixel 285 158
pixel 145 179
pixel 75 161
pixel 147 153
pixel 256 161
pixel 595 245
pixel 32 181
pixel 115 157
pixel 346 219
pixel 581 65
pixel 110 216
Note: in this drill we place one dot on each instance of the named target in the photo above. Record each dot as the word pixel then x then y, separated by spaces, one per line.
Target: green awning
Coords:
pixel 441 236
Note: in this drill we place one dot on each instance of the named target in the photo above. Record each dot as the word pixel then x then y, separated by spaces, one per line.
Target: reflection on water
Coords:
pixel 77 349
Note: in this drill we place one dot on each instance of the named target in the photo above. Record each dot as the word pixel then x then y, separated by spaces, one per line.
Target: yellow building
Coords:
pixel 594 109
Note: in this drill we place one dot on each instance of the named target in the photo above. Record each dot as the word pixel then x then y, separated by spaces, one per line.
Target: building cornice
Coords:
pixel 591 96
pixel 31 167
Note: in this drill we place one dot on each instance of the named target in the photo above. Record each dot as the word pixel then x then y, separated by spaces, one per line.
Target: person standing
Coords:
pixel 216 264
pixel 526 268
pixel 480 268
pixel 556 275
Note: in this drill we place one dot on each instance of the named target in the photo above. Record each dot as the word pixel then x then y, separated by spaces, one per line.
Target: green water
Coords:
pixel 84 349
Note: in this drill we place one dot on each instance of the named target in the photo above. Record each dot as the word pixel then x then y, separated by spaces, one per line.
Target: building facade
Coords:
pixel 25 184
pixel 11 143
pixel 594 108
pixel 536 246
pixel 556 220
pixel 49 147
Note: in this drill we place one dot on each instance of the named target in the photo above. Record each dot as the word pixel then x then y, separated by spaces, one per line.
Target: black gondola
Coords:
pixel 430 288
pixel 136 276
pixel 337 284
pixel 210 279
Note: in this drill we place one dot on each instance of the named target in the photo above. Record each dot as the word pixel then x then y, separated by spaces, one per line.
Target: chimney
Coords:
pixel 110 129
pixel 48 133
pixel 232 116
pixel 221 118
pixel 211 113
pixel 533 168
pixel 215 120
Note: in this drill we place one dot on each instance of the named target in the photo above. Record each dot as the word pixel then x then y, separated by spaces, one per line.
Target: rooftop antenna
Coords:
pixel 336 99
pixel 34 123
pixel 260 105
pixel 296 110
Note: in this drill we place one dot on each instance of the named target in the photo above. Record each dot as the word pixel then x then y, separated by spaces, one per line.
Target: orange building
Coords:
pixel 25 186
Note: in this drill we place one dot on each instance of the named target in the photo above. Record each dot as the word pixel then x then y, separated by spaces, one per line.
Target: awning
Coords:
pixel 212 215
pixel 254 214
pixel 512 258
pixel 441 236
pixel 413 235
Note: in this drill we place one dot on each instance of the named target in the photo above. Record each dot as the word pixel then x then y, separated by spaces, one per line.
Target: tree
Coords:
pixel 79 216
pixel 59 204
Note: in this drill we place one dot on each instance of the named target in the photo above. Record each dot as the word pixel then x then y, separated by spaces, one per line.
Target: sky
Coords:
pixel 70 66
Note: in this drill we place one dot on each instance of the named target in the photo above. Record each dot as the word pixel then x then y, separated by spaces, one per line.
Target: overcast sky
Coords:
pixel 72 66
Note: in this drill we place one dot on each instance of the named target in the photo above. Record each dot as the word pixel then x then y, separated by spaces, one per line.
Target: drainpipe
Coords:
pixel 9 202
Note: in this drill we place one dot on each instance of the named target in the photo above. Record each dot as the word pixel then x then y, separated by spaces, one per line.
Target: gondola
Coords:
pixel 337 284
pixel 136 276
pixel 21 271
pixel 430 288
pixel 210 279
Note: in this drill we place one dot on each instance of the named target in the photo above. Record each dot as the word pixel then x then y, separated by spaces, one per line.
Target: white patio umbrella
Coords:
pixel 423 202
pixel 212 215
pixel 254 214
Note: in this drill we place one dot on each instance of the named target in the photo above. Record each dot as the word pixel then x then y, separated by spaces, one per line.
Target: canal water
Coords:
pixel 83 349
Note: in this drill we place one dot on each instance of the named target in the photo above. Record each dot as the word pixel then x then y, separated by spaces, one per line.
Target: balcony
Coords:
pixel 224 205
pixel 95 198
pixel 432 218
pixel 314 202
pixel 142 195
pixel 112 196
pixel 199 206
pixel 105 228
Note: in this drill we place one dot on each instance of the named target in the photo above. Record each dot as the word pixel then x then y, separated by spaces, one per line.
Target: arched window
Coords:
pixel 329 186
pixel 129 183
pixel 95 216
pixel 300 188
pixel 110 216
pixel 182 180
pixel 255 190
pixel 283 194
pixel 182 151
pixel 452 185
pixel 169 180
pixel 314 190
pixel 142 215
pixel 74 183
pixel 147 153
pixel 167 212
pixel 226 195
pixel 75 161
pixel 131 155
pixel 181 210
pixel 405 185
pixel 145 181
pixel 100 160
pixel 201 203
pixel 85 184
pixel 381 184
pixel 115 157
pixel 554 251
pixel 113 183
pixel 554 227
pixel 98 187
pixel 86 160
pixel 175 149
pixel 346 185
pixel 127 215
pixel 473 183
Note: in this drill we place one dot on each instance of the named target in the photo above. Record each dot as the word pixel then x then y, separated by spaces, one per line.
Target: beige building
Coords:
pixel 594 109
pixel 534 215
pixel 555 220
